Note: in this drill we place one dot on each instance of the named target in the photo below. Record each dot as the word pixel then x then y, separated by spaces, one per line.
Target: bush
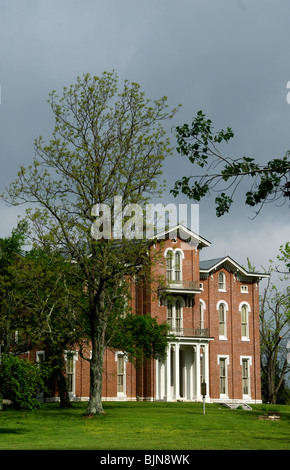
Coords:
pixel 19 381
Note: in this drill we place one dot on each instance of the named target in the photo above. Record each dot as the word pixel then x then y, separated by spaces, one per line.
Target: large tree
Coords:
pixel 37 303
pixel 50 315
pixel 275 328
pixel 222 174
pixel 107 142
pixel 11 253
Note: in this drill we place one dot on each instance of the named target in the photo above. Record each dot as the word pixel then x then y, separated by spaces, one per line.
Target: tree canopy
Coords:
pixel 223 174
pixel 275 328
pixel 106 142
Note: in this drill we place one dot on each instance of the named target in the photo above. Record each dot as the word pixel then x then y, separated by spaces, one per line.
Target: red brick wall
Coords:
pixel 233 347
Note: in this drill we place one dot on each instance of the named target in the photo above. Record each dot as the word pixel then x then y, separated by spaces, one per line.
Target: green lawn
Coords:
pixel 145 426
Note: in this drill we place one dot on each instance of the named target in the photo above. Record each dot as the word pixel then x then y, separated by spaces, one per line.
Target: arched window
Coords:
pixel 169 265
pixel 169 313
pixel 245 309
pixel 222 320
pixel 222 308
pixel 245 321
pixel 222 281
pixel 177 266
pixel 173 265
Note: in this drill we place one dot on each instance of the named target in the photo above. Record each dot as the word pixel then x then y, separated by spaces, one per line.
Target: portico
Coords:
pixel 185 368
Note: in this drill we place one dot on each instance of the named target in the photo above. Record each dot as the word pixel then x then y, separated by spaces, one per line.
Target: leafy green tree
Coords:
pixel 106 143
pixel 11 252
pixel 275 330
pixel 20 379
pixel 142 337
pixel 46 284
pixel 38 293
pixel 222 174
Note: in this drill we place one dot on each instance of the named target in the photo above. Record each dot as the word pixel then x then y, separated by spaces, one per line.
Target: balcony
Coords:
pixel 191 332
pixel 180 287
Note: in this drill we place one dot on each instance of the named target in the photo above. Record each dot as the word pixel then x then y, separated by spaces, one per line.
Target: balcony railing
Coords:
pixel 183 285
pixel 196 332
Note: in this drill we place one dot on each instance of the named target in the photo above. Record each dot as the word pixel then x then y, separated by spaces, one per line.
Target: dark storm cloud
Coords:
pixel 229 58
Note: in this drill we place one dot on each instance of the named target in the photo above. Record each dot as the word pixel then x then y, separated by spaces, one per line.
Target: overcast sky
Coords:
pixel 230 58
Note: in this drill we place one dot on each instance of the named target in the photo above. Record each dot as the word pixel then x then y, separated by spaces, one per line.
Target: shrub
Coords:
pixel 19 381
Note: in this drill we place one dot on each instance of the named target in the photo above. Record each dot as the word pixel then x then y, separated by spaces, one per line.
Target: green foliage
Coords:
pixel 199 144
pixel 275 328
pixel 285 254
pixel 11 254
pixel 20 379
pixel 142 337
pixel 107 141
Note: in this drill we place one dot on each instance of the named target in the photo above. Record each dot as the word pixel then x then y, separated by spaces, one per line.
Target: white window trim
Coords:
pixel 201 310
pixel 75 358
pixel 245 338
pixel 223 337
pixel 249 359
pixel 38 354
pixel 246 291
pixel 174 251
pixel 124 393
pixel 227 363
pixel 174 300
pixel 224 282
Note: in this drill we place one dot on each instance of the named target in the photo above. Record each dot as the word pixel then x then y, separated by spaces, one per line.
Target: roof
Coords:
pixel 210 265
pixel 186 234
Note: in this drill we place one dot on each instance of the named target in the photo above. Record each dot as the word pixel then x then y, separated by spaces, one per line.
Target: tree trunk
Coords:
pixel 96 373
pixel 58 363
pixel 63 393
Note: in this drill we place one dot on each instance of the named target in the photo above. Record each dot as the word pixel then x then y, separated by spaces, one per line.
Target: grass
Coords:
pixel 145 426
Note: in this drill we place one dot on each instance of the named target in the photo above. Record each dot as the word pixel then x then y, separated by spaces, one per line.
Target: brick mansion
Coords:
pixel 212 307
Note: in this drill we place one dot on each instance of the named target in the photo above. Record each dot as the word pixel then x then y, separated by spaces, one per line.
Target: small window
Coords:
pixel 222 281
pixel 40 357
pixel 244 289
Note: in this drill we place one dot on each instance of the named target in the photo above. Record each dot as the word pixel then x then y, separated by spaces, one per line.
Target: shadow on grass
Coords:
pixel 12 431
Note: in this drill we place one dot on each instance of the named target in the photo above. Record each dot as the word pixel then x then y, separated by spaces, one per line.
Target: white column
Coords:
pixel 206 367
pixel 162 381
pixel 157 374
pixel 197 371
pixel 191 374
pixel 176 371
pixel 168 374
